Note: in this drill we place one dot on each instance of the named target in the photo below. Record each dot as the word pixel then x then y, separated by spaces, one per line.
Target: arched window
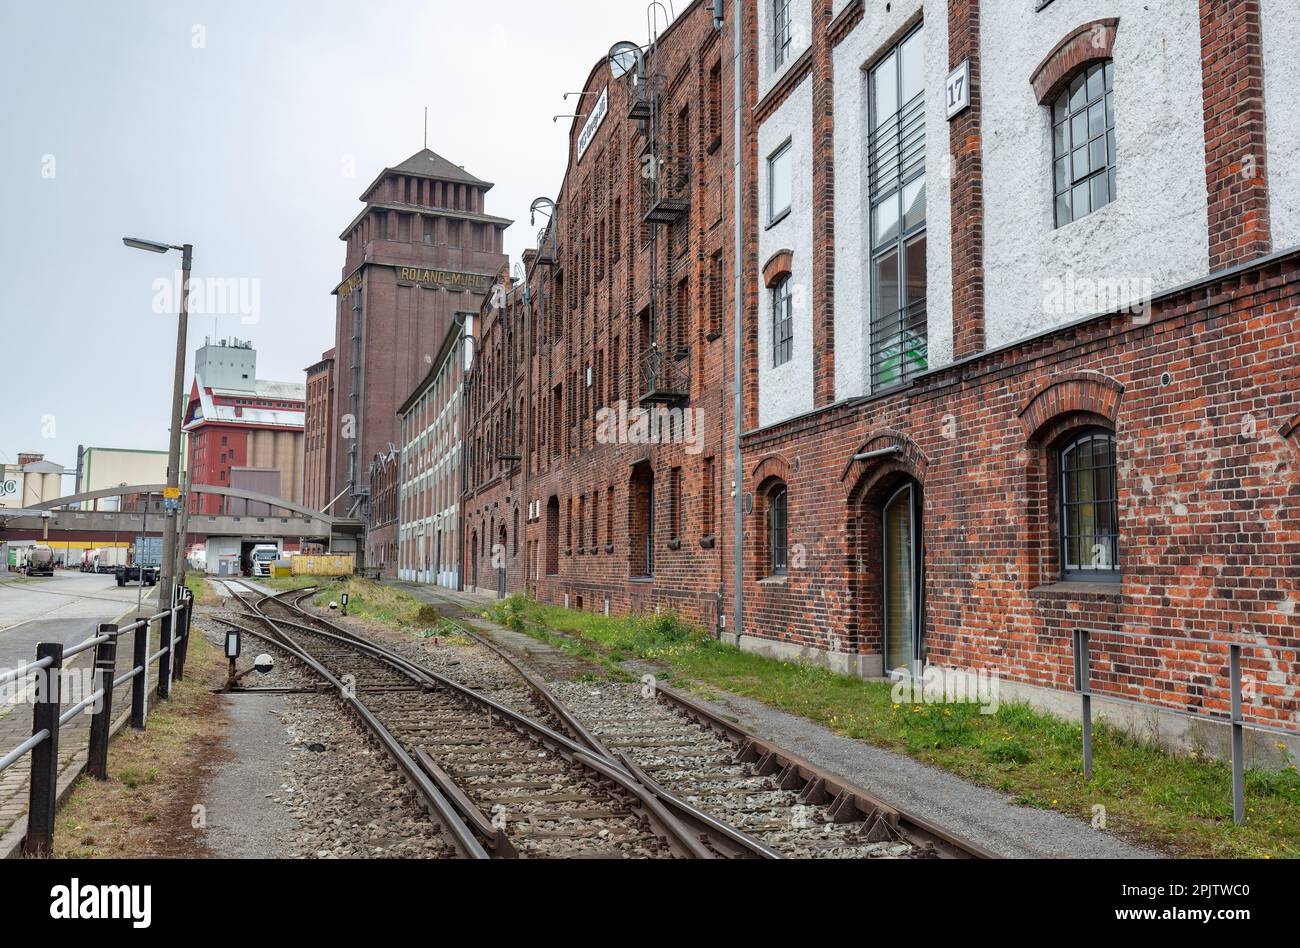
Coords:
pixel 1083 143
pixel 778 539
pixel 1089 507
pixel 782 322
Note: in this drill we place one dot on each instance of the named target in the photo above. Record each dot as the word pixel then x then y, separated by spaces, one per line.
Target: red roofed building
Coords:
pixel 244 432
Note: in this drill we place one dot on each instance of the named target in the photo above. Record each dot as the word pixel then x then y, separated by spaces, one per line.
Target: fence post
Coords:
pixel 39 840
pixel 1083 685
pixel 101 723
pixel 140 685
pixel 1238 742
pixel 166 644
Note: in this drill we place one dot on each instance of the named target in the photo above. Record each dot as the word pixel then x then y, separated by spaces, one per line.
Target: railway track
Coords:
pixel 498 782
pixel 672 743
pixel 598 770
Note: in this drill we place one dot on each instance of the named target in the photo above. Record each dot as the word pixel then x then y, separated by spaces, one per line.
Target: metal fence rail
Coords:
pixel 47 721
pixel 1083 686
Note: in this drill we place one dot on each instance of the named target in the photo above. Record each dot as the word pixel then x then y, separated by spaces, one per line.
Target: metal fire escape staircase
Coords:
pixel 665 377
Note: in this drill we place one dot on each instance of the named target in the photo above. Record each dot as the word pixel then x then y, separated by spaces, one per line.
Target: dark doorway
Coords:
pixel 641 521
pixel 902 578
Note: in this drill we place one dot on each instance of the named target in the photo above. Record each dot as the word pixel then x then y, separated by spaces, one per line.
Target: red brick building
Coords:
pixel 1020 348
pixel 422 249
pixel 243 432
pixel 318 440
pixel 381 528
pixel 618 311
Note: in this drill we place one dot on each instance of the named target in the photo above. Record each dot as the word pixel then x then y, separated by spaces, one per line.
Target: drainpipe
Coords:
pixel 738 351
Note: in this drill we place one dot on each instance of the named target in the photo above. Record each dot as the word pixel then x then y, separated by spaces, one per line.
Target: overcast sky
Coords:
pixel 248 129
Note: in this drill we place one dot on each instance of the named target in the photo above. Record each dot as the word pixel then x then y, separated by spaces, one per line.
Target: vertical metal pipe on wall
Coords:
pixel 738 350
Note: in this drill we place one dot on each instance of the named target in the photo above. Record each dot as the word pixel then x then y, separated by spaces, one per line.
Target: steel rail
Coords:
pixel 661 817
pixel 454 828
pixel 816 785
pixel 726 838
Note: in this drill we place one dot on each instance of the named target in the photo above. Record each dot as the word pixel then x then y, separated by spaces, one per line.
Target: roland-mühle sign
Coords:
pixel 593 122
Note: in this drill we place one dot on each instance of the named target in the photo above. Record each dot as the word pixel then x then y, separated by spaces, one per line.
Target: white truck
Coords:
pixel 262 557
pixel 109 558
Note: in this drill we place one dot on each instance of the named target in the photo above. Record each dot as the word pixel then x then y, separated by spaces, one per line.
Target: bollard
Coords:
pixel 1083 685
pixel 140 685
pixel 166 644
pixel 101 723
pixel 39 840
pixel 1238 743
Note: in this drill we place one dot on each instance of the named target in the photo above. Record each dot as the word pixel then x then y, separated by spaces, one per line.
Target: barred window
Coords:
pixel 1083 143
pixel 782 323
pixel 1089 507
pixel 896 172
pixel 781 33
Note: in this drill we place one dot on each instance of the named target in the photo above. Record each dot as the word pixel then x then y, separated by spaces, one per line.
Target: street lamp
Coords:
pixel 167 579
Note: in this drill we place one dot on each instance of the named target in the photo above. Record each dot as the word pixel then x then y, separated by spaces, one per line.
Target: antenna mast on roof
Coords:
pixel 426 126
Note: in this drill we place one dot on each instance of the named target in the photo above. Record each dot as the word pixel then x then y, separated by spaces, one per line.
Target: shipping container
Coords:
pixel 324 564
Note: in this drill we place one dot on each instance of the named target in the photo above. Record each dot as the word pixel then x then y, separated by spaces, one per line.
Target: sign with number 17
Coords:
pixel 958 88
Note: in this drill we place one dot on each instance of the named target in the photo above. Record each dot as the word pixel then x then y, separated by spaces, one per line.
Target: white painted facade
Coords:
pixel 429 481
pixel 800 39
pixel 872 38
pixel 1280 26
pixel 1154 234
pixel 787 390
pixel 1152 237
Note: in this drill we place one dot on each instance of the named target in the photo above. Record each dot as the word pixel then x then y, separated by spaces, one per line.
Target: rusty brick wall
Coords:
pixel 1208 480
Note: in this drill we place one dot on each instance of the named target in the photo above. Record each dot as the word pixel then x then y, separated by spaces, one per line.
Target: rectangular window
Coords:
pixel 681 313
pixel 715 106
pixel 896 176
pixel 582 519
pixel 781 32
pixel 675 503
pixel 616 248
pixel 609 516
pixel 707 489
pixel 716 295
pixel 779 184
pixel 557 420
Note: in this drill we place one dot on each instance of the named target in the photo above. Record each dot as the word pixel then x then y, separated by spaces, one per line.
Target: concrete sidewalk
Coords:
pixel 978 813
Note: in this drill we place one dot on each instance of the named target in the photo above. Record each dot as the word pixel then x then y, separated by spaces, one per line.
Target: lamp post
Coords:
pixel 167 579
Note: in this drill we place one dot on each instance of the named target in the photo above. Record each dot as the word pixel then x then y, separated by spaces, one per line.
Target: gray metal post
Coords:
pixel 1238 743
pixel 1083 684
pixel 738 326
pixel 140 686
pixel 39 840
pixel 167 643
pixel 101 723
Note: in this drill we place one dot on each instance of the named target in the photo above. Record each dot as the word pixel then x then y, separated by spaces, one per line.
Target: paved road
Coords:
pixel 64 608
